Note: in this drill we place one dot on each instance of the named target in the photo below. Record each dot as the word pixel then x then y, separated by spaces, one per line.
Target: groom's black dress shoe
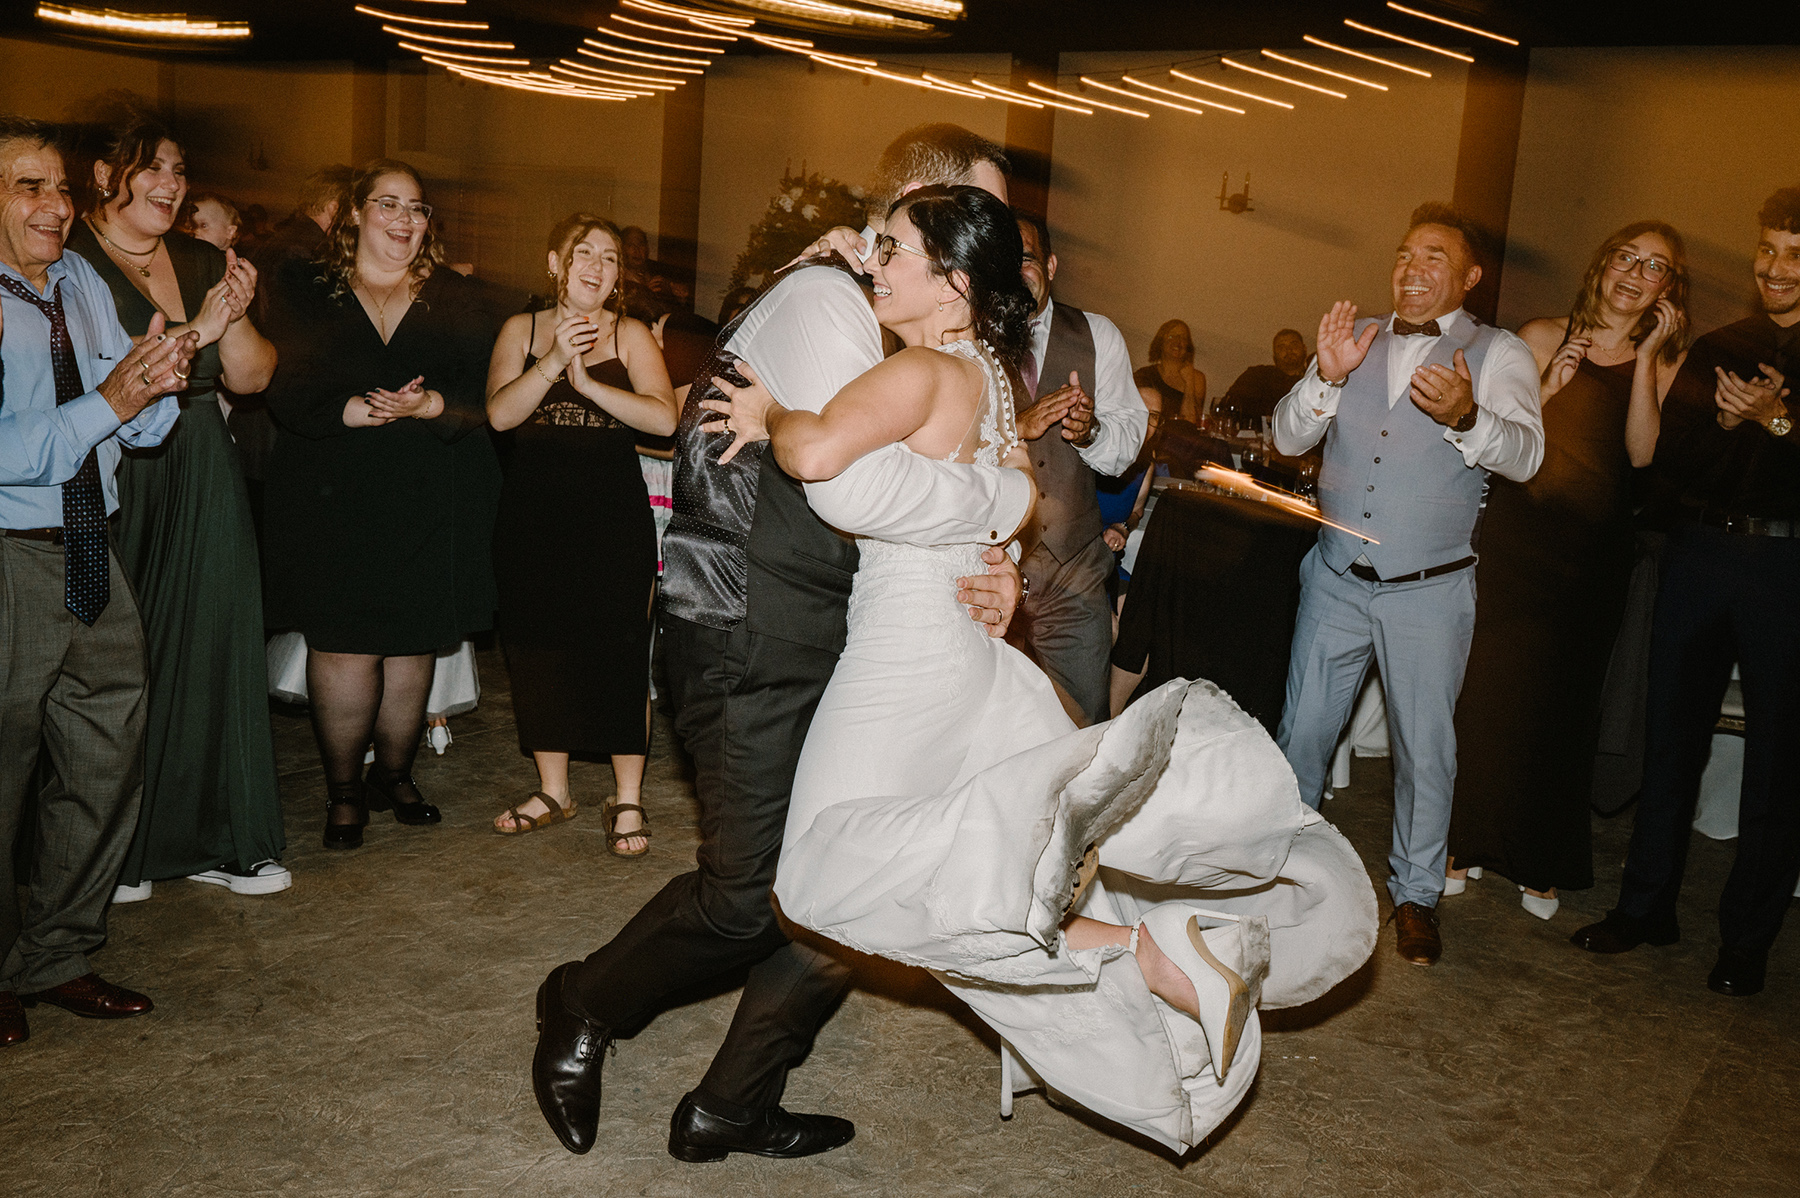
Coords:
pixel 1740 972
pixel 565 1070
pixel 1620 933
pixel 697 1133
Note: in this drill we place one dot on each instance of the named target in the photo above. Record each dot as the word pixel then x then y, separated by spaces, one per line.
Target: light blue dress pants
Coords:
pixel 1418 634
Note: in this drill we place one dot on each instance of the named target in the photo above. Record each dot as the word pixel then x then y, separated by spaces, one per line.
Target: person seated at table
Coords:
pixel 1257 390
pixel 1171 376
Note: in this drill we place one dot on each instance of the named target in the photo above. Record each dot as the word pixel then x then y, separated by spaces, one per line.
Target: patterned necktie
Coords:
pixel 1403 328
pixel 86 585
pixel 1028 369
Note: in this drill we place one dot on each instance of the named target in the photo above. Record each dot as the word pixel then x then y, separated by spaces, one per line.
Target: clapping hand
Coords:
pixel 1060 405
pixel 1563 365
pixel 411 400
pixel 1444 394
pixel 575 336
pixel 746 411
pixel 1340 349
pixel 156 366
pixel 1759 399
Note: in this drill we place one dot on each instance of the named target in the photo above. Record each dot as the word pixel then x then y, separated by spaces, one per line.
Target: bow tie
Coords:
pixel 1404 328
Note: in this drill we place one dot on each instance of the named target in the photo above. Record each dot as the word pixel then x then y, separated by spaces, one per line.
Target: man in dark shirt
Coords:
pixel 1729 459
pixel 1260 388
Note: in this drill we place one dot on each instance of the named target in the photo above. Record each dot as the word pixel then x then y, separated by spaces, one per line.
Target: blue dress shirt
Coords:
pixel 43 445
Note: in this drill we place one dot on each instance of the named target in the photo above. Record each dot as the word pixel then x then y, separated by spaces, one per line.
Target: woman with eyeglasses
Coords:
pixel 1556 560
pixel 382 485
pixel 576 540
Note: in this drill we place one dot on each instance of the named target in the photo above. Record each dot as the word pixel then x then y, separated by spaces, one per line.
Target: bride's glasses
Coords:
pixel 885 247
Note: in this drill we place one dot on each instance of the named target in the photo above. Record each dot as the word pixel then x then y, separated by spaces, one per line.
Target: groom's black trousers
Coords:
pixel 743 703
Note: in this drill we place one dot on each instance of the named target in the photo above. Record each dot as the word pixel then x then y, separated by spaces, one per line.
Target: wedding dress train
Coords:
pixel 943 802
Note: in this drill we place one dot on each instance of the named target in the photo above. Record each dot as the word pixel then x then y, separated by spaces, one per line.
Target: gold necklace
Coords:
pixel 381 308
pixel 119 249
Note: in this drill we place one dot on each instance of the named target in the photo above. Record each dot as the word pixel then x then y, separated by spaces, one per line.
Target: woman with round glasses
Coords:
pixel 1556 560
pixel 381 486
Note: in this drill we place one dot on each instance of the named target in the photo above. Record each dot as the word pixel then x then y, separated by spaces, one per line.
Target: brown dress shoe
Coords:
pixel 92 997
pixel 1416 933
pixel 13 1028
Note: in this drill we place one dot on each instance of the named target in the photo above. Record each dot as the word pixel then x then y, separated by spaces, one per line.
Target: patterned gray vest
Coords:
pixel 1389 473
pixel 1068 514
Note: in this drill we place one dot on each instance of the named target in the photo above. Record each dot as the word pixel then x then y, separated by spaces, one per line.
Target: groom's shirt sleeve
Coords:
pixel 819 333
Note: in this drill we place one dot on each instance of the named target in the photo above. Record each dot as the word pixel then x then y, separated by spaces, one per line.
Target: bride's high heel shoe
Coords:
pixel 1226 966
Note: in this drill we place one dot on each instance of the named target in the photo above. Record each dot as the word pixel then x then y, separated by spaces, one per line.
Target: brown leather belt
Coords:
pixel 52 535
pixel 1746 526
pixel 1368 574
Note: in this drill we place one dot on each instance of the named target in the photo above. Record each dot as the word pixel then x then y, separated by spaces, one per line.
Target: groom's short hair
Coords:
pixel 941 154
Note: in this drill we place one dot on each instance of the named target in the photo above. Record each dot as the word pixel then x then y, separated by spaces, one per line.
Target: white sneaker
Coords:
pixel 265 877
pixel 438 737
pixel 132 894
pixel 1541 907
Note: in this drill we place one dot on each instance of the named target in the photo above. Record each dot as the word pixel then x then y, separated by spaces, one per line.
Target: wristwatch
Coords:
pixel 1779 426
pixel 1468 421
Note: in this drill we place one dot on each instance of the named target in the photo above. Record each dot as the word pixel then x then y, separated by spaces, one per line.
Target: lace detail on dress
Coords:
pixel 996 424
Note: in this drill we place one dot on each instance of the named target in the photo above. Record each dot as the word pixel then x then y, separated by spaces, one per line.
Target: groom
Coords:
pixel 754 600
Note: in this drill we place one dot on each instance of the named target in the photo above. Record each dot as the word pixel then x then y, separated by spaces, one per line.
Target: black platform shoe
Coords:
pixel 342 835
pixel 384 795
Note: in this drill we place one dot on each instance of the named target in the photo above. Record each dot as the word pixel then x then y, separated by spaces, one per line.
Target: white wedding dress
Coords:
pixel 943 800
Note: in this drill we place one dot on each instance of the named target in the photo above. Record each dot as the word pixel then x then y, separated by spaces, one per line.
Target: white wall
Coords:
pixel 1134 209
pixel 766 114
pixel 1698 137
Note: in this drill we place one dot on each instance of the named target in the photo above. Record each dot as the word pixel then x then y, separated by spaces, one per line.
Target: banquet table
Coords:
pixel 1213 595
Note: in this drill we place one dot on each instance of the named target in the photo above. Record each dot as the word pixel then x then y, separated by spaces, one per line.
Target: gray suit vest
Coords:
pixel 1068 514
pixel 1391 474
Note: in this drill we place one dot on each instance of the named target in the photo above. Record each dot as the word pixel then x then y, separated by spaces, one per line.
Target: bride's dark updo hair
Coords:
pixel 968 229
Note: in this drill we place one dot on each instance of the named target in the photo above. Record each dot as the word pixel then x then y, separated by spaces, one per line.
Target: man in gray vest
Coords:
pixel 1415 409
pixel 1073 433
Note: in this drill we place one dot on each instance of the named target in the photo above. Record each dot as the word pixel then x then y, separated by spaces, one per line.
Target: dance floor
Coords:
pixel 370 1032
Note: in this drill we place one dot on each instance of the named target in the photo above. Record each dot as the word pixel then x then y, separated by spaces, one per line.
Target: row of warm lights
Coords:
pixel 143 25
pixel 654 71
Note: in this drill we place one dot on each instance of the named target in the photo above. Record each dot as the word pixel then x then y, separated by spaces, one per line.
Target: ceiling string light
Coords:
pixel 1413 12
pixel 1034 85
pixel 1135 82
pixel 1220 87
pixel 1295 62
pixel 1311 87
pixel 157 27
pixel 1142 99
pixel 1386 62
pixel 1406 41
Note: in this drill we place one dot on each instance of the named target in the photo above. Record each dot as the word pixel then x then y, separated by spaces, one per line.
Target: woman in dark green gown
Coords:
pixel 211 808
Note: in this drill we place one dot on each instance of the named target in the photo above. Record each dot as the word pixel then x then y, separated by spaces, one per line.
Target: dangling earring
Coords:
pixel 940 305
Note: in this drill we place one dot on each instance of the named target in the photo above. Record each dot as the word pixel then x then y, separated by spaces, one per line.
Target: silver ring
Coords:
pixel 145 374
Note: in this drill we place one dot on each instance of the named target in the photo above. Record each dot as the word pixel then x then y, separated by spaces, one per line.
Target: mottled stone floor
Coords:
pixel 369 1032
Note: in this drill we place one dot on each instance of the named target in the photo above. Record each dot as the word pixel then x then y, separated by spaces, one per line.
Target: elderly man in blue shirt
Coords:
pixel 74 391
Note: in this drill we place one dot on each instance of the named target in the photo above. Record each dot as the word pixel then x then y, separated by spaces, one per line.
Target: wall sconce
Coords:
pixel 1237 204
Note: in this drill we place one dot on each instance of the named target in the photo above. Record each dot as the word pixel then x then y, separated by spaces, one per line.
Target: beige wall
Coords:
pixel 1697 137
pixel 1134 207
pixel 54 83
pixel 764 115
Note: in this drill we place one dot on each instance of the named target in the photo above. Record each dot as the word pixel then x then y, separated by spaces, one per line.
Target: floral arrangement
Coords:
pixel 806 206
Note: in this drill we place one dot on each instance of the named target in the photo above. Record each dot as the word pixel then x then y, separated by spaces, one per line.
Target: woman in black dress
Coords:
pixel 575 545
pixel 1171 373
pixel 381 485
pixel 1556 558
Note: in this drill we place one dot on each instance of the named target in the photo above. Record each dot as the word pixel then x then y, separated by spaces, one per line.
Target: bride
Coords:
pixel 1114 901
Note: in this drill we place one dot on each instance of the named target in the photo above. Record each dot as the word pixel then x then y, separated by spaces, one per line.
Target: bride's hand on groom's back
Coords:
pixel 744 411
pixel 846 241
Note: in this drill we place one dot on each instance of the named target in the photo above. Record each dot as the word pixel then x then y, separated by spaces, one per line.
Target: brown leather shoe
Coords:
pixel 1416 933
pixel 92 997
pixel 13 1028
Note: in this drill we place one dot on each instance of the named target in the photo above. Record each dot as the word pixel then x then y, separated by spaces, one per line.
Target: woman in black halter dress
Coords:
pixel 1556 558
pixel 575 542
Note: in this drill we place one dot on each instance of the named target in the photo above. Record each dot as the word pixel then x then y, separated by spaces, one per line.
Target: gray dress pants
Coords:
pixel 1418 633
pixel 78 694
pixel 1068 623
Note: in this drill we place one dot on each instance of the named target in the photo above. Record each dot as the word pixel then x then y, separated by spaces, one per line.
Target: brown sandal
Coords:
pixel 523 823
pixel 614 837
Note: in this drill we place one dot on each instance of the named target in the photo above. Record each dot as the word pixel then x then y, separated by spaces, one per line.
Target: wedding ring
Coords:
pixel 146 375
pixel 182 376
pixel 727 424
